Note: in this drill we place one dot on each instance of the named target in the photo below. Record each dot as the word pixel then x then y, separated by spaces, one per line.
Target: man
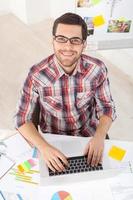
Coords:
pixel 72 90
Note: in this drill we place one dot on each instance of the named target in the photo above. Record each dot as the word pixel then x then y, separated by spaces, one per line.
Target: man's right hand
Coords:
pixel 54 158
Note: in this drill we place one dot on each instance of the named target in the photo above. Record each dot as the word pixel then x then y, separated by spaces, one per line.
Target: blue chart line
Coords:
pixel 1 195
pixel 9 195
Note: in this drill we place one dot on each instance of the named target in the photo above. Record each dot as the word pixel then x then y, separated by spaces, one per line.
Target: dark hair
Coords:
pixel 71 19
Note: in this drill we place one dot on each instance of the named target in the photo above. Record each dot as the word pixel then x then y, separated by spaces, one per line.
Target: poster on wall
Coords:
pixel 119 26
pixel 90 25
pixel 87 3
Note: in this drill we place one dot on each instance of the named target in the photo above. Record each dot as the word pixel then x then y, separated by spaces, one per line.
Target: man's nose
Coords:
pixel 68 44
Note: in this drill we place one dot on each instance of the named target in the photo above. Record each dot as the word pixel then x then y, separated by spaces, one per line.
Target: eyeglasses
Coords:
pixel 63 39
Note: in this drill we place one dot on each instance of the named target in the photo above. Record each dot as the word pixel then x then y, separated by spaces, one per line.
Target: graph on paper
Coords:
pixel 61 195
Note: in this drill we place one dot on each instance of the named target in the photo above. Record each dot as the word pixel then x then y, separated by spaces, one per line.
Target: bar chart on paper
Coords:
pixel 61 195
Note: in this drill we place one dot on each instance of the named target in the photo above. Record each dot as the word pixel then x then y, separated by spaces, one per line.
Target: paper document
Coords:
pixel 6 164
pixel 16 146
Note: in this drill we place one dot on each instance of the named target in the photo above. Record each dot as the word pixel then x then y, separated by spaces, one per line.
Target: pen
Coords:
pixel 2 195
pixel 20 198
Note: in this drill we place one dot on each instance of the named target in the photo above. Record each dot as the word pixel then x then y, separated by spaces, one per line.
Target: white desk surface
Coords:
pixel 84 190
pixel 5 133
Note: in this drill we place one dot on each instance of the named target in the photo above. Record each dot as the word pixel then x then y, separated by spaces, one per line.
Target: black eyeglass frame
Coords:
pixel 68 39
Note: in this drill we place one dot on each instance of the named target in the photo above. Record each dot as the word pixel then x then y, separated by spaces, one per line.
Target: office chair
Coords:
pixel 35 116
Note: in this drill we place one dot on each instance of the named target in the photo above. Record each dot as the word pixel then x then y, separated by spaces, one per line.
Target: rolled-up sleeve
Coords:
pixel 27 102
pixel 104 102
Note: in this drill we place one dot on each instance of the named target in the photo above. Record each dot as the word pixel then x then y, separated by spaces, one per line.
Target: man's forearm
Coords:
pixel 30 133
pixel 103 126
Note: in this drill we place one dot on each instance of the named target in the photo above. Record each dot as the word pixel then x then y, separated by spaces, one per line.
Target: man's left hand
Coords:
pixel 94 150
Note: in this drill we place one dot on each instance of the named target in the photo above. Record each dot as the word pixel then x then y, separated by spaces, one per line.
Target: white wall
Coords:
pixel 59 7
pixel 19 9
pixel 29 11
pixel 4 6
pixel 37 10
pixel 123 8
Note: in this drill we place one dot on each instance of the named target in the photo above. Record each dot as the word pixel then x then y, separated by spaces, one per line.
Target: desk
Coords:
pixel 5 133
pixel 83 190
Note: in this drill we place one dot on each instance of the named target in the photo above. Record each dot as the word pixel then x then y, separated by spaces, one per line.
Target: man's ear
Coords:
pixel 85 44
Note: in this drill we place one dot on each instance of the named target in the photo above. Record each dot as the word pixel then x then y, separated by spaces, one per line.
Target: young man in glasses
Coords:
pixel 72 90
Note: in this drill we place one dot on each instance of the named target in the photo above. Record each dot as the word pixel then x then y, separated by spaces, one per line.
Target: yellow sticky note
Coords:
pixel 116 153
pixel 98 20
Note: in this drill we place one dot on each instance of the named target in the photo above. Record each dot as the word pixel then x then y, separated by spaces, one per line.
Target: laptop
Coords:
pixel 73 148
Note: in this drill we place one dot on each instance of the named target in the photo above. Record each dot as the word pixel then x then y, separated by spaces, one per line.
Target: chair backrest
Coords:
pixel 36 114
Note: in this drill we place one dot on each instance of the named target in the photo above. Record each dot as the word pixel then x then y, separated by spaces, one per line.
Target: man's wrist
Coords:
pixel 100 135
pixel 42 145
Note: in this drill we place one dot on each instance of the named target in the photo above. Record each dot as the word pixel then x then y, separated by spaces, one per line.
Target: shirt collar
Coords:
pixel 62 72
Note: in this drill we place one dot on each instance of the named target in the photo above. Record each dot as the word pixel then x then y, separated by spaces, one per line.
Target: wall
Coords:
pixel 122 9
pixel 29 11
pixel 4 6
pixel 59 7
pixel 37 10
pixel 19 9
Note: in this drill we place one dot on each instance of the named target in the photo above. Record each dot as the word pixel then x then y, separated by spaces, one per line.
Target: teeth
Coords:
pixel 67 54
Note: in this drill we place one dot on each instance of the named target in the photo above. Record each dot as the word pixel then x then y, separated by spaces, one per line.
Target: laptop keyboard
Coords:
pixel 77 164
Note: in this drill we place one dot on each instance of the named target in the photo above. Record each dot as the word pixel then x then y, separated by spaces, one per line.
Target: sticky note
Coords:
pixel 27 164
pixel 116 153
pixel 98 20
pixel 20 168
pixel 24 167
pixel 94 2
pixel 31 162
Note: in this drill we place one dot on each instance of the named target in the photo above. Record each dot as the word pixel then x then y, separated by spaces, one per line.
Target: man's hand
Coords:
pixel 94 150
pixel 54 158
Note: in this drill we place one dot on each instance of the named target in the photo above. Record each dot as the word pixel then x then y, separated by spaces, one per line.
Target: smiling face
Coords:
pixel 68 54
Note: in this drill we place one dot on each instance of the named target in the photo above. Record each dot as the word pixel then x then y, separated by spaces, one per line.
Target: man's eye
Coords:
pixel 76 41
pixel 60 39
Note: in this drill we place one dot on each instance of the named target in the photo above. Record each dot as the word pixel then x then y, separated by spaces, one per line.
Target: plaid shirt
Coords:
pixel 69 104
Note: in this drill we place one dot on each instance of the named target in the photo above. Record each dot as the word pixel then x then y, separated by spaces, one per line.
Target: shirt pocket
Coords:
pixel 53 105
pixel 83 99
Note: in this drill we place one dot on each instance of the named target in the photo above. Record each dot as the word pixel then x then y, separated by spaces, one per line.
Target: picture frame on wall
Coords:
pixel 119 26
pixel 90 25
